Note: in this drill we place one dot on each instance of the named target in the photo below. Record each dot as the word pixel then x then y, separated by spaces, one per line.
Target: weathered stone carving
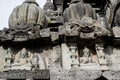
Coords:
pixel 78 9
pixel 101 56
pixel 115 59
pixel 22 60
pixel 55 16
pixel 54 58
pixel 116 24
pixel 9 59
pixel 25 22
pixel 87 56
pixel 85 28
pixel 27 13
pixel 35 62
pixel 74 58
pixel 49 6
pixel 78 47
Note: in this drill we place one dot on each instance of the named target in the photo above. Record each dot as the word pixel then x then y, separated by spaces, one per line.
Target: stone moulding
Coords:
pixel 24 74
pixel 85 28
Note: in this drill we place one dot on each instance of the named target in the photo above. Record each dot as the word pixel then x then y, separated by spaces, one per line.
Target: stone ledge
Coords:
pixel 60 74
pixel 25 74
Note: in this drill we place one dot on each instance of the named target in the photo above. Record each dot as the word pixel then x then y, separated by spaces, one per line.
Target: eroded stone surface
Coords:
pixel 63 74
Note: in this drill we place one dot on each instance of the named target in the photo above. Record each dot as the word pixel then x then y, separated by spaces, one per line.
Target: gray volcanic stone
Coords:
pixel 27 13
pixel 112 75
pixel 60 74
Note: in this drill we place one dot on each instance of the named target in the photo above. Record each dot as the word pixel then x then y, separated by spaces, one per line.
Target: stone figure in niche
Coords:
pixel 54 58
pixel 101 53
pixel 9 59
pixel 87 56
pixel 35 62
pixel 22 60
pixel 28 13
pixel 78 9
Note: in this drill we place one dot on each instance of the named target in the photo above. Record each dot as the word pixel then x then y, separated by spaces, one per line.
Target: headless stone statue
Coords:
pixel 27 13
pixel 76 10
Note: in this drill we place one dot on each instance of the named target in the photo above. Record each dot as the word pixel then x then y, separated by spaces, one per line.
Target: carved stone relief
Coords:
pixel 101 56
pixel 22 60
pixel 9 59
pixel 74 57
pixel 87 56
pixel 53 60
pixel 115 59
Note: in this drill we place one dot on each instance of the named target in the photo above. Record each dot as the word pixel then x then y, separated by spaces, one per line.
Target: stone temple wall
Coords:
pixel 66 40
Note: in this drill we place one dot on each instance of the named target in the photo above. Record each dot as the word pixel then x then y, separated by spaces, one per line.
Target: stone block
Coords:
pixel 61 74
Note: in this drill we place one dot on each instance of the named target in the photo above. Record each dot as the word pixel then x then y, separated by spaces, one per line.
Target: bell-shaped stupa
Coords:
pixel 27 13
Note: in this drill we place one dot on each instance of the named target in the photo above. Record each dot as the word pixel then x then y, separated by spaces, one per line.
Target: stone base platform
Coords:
pixel 60 74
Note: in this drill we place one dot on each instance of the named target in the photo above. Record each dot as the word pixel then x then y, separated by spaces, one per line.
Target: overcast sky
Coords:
pixel 7 6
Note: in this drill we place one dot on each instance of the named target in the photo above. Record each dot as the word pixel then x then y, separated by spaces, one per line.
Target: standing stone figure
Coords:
pixel 28 13
pixel 8 59
pixel 87 56
pixel 35 62
pixel 78 9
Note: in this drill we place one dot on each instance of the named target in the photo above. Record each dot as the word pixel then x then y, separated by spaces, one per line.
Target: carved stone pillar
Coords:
pixel 66 61
pixel 74 57
pixel 8 59
pixel 101 56
pixel 69 56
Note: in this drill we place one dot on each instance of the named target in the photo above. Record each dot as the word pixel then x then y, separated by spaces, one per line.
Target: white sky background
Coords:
pixel 7 6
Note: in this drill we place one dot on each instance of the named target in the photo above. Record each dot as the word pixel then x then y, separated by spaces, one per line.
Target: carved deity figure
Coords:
pixel 101 53
pixel 28 13
pixel 35 62
pixel 8 59
pixel 78 9
pixel 22 60
pixel 87 56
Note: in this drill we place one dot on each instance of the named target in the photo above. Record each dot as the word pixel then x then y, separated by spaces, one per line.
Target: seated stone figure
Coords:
pixel 76 10
pixel 87 56
pixel 28 13
pixel 22 60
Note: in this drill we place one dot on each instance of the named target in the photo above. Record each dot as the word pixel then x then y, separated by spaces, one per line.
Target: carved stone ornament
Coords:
pixel 87 56
pixel 86 27
pixel 22 60
pixel 27 13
